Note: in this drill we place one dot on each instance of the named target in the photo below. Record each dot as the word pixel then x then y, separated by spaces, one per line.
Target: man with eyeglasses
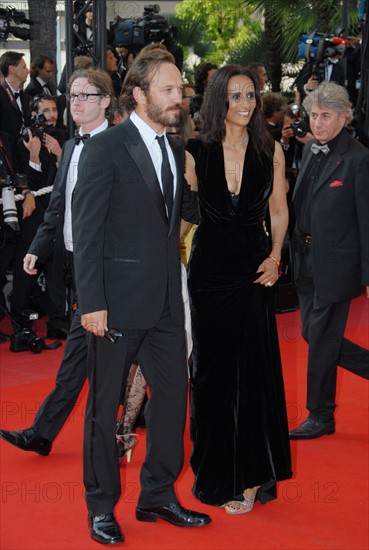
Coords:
pixel 90 96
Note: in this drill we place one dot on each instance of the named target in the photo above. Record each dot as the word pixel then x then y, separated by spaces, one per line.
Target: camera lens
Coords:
pixel 36 345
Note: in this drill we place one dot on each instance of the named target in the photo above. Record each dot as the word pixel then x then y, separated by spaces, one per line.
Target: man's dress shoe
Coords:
pixel 312 429
pixel 174 513
pixel 57 333
pixel 28 440
pixel 105 529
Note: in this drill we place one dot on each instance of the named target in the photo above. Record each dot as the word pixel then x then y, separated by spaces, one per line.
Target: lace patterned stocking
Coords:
pixel 134 395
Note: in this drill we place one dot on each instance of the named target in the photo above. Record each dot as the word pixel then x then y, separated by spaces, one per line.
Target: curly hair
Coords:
pixel 215 107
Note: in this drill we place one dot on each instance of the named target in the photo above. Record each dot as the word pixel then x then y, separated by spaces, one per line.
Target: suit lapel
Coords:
pixel 307 160
pixel 139 153
pixel 177 150
pixel 333 161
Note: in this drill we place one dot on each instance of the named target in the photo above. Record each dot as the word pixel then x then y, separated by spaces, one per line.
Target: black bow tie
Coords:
pixel 16 95
pixel 315 148
pixel 78 138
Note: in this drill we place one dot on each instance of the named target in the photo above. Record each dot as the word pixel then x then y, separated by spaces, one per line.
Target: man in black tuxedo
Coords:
pixel 14 115
pixel 127 205
pixel 42 72
pixel 330 68
pixel 90 96
pixel 14 103
pixel 330 246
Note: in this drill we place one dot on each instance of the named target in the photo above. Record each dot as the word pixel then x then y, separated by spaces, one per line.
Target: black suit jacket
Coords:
pixel 35 88
pixel 339 221
pixel 49 236
pixel 10 114
pixel 37 180
pixel 126 254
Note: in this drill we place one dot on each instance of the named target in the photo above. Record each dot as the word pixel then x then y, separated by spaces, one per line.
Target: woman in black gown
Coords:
pixel 238 412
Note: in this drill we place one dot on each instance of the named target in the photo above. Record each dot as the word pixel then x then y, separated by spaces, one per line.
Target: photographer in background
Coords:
pixel 273 107
pixel 41 74
pixel 330 68
pixel 38 153
pixel 295 133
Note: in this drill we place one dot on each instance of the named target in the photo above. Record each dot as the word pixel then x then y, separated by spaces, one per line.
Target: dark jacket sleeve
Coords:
pixel 44 242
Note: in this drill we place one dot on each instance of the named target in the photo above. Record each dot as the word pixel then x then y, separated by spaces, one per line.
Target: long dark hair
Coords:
pixel 216 104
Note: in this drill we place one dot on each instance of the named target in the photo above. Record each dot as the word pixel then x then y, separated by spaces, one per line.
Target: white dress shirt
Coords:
pixel 70 185
pixel 149 137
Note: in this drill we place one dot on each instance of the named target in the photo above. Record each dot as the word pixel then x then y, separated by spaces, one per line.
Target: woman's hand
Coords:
pixel 270 272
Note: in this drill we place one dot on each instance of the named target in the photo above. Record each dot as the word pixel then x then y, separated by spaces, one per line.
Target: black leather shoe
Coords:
pixel 28 440
pixel 312 429
pixel 57 333
pixel 174 513
pixel 105 529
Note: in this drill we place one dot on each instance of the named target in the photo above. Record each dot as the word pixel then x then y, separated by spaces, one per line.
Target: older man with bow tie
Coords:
pixel 330 250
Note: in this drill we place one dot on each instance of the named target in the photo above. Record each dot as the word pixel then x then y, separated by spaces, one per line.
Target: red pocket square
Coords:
pixel 336 183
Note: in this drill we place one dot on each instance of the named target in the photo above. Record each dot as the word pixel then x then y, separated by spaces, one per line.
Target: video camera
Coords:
pixel 18 17
pixel 316 48
pixel 136 33
pixel 7 185
pixel 299 126
pixel 38 127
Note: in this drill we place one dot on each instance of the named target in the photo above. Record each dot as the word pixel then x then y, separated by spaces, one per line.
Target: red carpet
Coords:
pixel 324 506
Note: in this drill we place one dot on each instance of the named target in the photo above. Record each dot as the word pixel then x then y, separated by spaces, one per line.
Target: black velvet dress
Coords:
pixel 238 412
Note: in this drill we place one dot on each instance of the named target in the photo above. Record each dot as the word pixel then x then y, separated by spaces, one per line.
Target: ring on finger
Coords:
pixel 268 284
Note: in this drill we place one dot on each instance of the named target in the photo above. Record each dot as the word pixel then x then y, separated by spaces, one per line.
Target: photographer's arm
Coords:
pixel 53 146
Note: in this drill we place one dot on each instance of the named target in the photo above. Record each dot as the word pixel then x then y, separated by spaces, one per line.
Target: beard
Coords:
pixel 166 117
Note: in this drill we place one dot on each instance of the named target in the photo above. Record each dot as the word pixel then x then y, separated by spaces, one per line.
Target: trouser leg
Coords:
pixel 327 325
pixel 162 358
pixel 71 376
pixel 22 286
pixel 55 295
pixel 108 367
pixel 354 358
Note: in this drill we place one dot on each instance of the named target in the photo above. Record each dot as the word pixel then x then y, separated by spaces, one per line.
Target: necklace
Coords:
pixel 236 145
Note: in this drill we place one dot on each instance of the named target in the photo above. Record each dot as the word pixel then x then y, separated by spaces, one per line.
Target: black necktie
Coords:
pixel 78 138
pixel 166 176
pixel 315 148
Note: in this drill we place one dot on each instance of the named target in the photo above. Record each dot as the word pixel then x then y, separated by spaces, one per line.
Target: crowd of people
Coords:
pixel 152 157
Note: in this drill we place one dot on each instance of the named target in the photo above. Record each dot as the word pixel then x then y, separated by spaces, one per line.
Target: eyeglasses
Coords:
pixel 81 97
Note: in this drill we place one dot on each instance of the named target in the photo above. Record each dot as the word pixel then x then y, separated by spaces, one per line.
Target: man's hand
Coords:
pixel 367 291
pixel 287 133
pixel 311 84
pixel 52 146
pixel 29 263
pixel 306 138
pixel 33 145
pixel 29 205
pixel 96 322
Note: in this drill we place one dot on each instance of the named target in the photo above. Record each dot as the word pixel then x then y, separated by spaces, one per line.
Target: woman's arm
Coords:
pixel 279 221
